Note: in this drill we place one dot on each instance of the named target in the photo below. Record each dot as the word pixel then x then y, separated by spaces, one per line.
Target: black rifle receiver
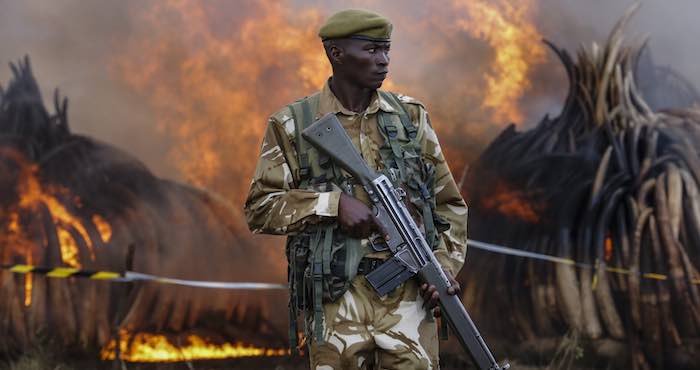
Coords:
pixel 411 253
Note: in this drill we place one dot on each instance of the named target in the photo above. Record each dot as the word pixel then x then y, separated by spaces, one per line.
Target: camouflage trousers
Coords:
pixel 365 331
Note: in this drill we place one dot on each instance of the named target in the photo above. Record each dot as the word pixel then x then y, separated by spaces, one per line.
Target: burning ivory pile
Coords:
pixel 611 185
pixel 73 202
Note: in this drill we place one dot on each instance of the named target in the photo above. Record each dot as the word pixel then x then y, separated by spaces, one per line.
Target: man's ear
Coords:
pixel 336 53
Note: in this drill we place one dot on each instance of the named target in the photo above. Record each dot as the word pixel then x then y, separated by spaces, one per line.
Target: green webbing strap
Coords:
pixel 293 298
pixel 302 156
pixel 317 274
pixel 301 114
pixel 327 246
pixel 429 223
pixel 304 170
pixel 403 115
pixel 392 134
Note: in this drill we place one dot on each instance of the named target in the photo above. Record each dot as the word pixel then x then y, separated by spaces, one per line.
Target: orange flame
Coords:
pixel 212 87
pixel 28 282
pixel 103 227
pixel 608 248
pixel 513 203
pixel 212 90
pixel 31 194
pixel 69 248
pixel 145 347
pixel 517 46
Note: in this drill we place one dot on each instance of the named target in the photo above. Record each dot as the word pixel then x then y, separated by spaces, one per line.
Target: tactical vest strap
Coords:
pixel 411 130
pixel 303 118
pixel 293 312
pixel 392 138
pixel 323 240
pixel 428 221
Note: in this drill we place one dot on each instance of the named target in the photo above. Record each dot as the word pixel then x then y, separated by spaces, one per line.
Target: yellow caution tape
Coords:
pixel 62 272
pixel 105 275
pixel 22 269
pixel 495 248
pixel 651 275
pixel 127 276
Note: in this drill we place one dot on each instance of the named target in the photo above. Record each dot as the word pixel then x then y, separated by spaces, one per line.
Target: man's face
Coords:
pixel 365 62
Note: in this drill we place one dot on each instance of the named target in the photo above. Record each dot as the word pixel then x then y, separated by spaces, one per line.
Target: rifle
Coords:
pixel 411 253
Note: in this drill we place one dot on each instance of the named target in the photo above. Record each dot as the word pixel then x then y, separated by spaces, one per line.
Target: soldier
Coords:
pixel 297 191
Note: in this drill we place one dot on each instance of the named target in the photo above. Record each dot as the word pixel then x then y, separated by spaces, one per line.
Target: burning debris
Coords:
pixel 71 201
pixel 613 186
pixel 144 347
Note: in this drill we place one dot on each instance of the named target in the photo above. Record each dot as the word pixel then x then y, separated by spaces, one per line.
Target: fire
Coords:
pixel 69 248
pixel 517 46
pixel 212 87
pixel 514 203
pixel 145 347
pixel 103 227
pixel 28 283
pixel 213 73
pixel 608 248
pixel 31 194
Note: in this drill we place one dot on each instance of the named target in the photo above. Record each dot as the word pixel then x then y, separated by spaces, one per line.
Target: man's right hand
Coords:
pixel 356 219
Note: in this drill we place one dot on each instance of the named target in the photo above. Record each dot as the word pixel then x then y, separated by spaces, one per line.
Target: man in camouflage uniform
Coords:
pixel 359 328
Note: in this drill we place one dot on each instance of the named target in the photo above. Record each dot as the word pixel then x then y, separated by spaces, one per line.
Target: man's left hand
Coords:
pixel 431 295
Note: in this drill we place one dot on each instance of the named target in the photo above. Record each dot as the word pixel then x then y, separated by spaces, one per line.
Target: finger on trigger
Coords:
pixel 381 228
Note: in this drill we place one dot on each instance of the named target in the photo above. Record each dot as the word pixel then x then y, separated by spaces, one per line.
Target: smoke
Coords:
pixel 138 73
pixel 72 44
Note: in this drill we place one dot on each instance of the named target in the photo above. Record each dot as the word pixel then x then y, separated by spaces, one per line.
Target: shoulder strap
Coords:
pixel 411 130
pixel 303 118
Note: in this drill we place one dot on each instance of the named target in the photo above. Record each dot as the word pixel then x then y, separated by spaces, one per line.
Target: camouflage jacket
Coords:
pixel 276 205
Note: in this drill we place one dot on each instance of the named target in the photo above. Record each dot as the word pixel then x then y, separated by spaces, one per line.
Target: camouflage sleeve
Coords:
pixel 274 204
pixel 449 202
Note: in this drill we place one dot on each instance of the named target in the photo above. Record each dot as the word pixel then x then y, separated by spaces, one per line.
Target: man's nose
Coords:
pixel 383 59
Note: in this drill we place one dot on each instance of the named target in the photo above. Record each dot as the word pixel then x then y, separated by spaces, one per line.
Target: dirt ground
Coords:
pixel 44 361
pixel 562 353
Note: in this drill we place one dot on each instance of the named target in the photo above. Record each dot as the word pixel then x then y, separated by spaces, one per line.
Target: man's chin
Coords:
pixel 377 85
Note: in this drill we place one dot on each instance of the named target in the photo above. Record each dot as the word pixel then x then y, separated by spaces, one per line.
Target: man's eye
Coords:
pixel 372 50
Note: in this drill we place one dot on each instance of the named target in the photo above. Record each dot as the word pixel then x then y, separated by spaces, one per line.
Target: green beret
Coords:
pixel 356 24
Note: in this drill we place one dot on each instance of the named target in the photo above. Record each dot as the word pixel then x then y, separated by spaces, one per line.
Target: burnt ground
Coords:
pixel 545 354
pixel 44 361
pixel 257 363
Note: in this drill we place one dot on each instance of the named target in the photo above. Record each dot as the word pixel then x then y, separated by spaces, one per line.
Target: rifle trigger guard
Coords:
pixel 377 243
pixel 400 193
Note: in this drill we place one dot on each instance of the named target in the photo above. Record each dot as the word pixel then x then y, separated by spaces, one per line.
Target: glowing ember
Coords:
pixel 608 248
pixel 69 248
pixel 512 203
pixel 28 283
pixel 517 46
pixel 144 347
pixel 103 227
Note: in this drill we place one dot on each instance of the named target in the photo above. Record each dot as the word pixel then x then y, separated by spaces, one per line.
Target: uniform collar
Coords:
pixel 329 103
